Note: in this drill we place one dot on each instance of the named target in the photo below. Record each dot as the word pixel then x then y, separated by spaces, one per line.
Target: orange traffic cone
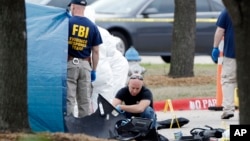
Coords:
pixel 219 95
pixel 218 83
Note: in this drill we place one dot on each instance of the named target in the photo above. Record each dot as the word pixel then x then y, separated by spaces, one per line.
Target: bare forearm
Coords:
pixel 95 58
pixel 132 108
pixel 219 33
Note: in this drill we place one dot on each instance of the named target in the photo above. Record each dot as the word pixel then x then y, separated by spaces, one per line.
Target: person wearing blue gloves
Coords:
pixel 135 100
pixel 228 74
pixel 83 55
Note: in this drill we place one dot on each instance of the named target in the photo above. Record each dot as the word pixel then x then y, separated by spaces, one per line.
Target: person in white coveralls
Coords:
pixel 112 68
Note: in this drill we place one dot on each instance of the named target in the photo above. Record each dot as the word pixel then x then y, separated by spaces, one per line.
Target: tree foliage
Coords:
pixel 13 66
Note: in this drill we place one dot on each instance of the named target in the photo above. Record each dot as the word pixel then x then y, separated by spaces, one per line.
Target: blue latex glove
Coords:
pixel 93 75
pixel 215 54
pixel 118 108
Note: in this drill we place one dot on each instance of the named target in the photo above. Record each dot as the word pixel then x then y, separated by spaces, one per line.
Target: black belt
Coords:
pixel 84 59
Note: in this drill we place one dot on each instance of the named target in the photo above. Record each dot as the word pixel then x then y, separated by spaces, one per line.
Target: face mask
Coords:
pixel 69 12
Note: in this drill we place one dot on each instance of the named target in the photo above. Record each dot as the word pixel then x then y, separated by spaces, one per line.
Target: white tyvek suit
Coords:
pixel 112 68
pixel 104 77
pixel 119 65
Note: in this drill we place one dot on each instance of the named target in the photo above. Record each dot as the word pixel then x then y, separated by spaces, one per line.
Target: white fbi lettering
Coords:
pixel 240 132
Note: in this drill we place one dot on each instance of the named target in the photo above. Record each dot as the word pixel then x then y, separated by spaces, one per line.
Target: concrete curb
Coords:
pixel 187 104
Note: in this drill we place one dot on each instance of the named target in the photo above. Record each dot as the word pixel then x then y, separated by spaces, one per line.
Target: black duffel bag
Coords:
pixel 138 129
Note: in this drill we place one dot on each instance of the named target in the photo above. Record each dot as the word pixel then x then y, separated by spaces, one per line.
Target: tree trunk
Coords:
pixel 13 66
pixel 183 48
pixel 239 11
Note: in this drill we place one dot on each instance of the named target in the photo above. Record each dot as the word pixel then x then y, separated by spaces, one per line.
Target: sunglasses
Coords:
pixel 136 77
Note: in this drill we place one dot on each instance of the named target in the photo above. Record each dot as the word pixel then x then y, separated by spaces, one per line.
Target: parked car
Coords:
pixel 147 24
pixel 64 4
pixel 56 3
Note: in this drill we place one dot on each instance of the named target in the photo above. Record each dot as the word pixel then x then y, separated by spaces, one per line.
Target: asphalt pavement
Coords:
pixel 197 118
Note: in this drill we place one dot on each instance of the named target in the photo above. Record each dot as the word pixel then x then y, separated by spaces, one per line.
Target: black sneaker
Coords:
pixel 226 116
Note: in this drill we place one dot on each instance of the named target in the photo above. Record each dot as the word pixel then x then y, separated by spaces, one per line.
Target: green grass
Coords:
pixel 164 68
pixel 34 137
pixel 201 91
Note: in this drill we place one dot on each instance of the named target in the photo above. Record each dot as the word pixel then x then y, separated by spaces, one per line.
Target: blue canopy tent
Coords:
pixel 47 37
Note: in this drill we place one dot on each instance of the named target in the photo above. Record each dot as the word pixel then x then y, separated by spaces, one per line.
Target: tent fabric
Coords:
pixel 100 124
pixel 47 33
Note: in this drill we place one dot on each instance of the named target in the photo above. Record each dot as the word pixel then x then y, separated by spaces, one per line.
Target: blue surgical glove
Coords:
pixel 93 75
pixel 118 108
pixel 215 54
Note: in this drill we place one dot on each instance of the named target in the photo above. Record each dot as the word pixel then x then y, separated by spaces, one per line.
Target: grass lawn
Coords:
pixel 203 84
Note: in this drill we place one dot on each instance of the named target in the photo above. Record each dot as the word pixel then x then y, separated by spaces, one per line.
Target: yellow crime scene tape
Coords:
pixel 200 20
